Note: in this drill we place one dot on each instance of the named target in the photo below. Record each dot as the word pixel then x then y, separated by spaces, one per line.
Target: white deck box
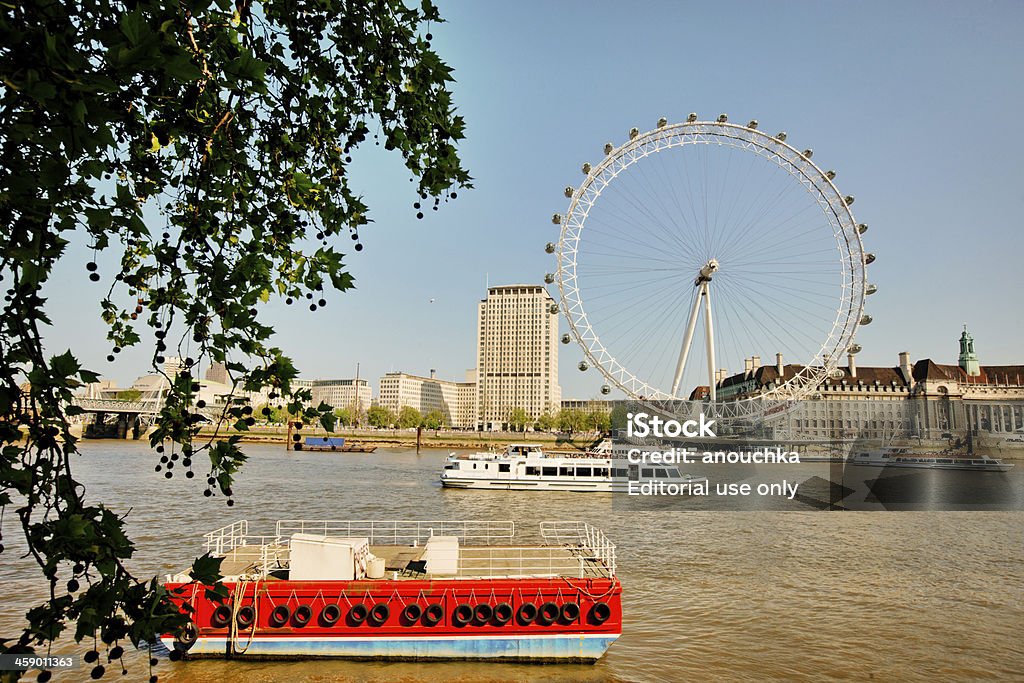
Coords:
pixel 442 555
pixel 327 558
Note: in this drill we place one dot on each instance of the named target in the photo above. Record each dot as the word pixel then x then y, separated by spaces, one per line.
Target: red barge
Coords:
pixel 406 590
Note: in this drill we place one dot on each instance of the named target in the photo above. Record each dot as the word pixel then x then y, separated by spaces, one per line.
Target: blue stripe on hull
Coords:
pixel 562 648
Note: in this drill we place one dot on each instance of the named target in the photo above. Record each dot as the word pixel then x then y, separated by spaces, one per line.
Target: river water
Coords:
pixel 765 595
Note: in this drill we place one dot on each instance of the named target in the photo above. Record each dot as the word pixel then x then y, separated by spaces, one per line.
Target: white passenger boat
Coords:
pixel 902 457
pixel 526 467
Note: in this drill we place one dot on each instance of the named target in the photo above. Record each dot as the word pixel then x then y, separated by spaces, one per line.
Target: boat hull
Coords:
pixel 581 632
pixel 609 486
pixel 567 648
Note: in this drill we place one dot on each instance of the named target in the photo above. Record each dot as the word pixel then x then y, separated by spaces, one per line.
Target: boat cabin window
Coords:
pixel 582 471
pixel 673 473
pixel 647 473
pixel 620 472
pixel 550 471
pixel 600 471
pixel 565 471
pixel 453 466
pixel 532 471
pixel 504 467
pixel 660 472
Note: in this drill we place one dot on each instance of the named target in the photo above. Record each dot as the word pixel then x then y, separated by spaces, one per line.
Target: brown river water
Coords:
pixel 768 595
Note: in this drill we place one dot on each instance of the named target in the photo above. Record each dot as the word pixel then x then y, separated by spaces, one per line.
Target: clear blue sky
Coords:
pixel 916 104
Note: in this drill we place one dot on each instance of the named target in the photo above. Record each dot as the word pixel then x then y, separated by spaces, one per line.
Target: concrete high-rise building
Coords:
pixel 217 372
pixel 352 394
pixel 172 366
pixel 455 400
pixel 516 354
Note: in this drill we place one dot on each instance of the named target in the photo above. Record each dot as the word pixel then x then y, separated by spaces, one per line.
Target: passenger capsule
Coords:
pixel 870 289
pixel 808 153
pixel 866 320
pixel 556 218
pixel 566 339
pixel 848 199
pixel 752 124
pixel 550 247
pixel 854 348
pixel 583 366
pixel 633 132
pixel 831 175
pixel 722 118
pixel 586 168
pixel 549 278
pixel 552 308
pixel 691 118
pixel 862 228
pixel 781 137
pixel 869 258
pixel 605 389
pixel 608 148
pixel 569 191
pixel 662 122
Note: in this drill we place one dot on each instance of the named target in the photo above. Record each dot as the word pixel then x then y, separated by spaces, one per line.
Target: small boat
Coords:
pixel 526 467
pixel 332 443
pixel 410 590
pixel 902 457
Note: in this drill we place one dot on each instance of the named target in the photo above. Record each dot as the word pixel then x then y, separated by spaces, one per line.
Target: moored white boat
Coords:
pixel 526 467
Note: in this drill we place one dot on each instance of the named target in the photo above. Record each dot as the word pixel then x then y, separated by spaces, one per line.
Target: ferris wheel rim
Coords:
pixel 799 166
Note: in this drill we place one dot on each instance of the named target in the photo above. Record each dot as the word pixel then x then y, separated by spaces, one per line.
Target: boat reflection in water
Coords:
pixel 902 457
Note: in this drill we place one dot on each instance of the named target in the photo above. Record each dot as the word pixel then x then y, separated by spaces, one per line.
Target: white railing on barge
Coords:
pixel 529 561
pixel 587 538
pixel 570 548
pixel 401 532
pixel 225 539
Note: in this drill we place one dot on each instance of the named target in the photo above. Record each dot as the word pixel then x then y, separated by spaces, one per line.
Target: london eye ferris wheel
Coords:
pixel 697 251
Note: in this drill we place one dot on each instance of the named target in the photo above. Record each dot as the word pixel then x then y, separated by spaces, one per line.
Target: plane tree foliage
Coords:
pixel 198 153
pixel 379 416
pixel 409 417
pixel 434 420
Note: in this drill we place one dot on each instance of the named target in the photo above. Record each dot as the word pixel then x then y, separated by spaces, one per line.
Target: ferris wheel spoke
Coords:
pixel 800 324
pixel 773 236
pixel 777 244
pixel 761 284
pixel 768 334
pixel 642 209
pixel 752 222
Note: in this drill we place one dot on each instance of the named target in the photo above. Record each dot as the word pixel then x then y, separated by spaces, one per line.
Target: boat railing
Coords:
pixel 225 539
pixel 402 532
pixel 272 557
pixel 530 561
pixel 588 538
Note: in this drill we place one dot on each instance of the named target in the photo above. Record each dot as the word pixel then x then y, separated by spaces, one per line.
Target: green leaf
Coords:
pixel 206 569
pixel 182 68
pixel 133 26
pixel 64 365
